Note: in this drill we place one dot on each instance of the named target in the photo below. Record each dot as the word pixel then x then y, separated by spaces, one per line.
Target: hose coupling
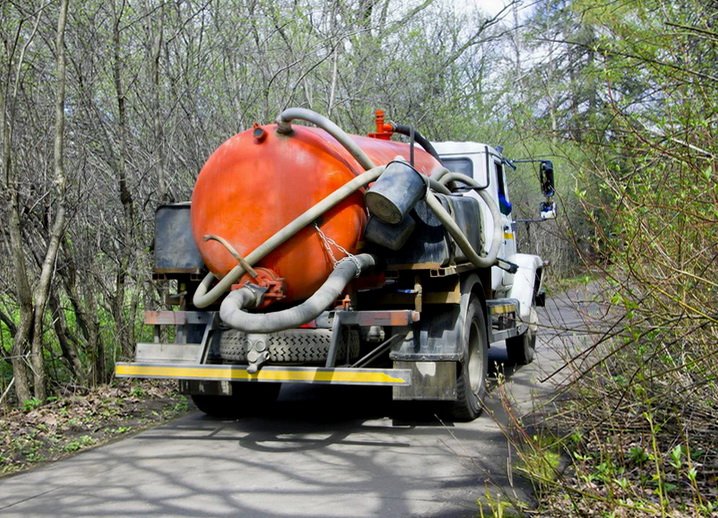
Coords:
pixel 284 127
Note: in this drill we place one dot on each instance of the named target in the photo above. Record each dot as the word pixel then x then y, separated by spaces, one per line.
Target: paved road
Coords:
pixel 320 451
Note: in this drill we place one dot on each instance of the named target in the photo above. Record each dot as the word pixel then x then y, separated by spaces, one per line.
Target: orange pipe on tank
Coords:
pixel 383 131
pixel 258 181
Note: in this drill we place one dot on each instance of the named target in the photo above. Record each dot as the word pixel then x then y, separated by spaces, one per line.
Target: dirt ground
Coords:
pixel 77 421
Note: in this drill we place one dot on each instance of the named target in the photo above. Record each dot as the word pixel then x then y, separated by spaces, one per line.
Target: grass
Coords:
pixel 72 423
pixel 635 455
pixel 634 430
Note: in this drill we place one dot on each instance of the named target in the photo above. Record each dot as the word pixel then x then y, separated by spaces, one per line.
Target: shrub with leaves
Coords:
pixel 647 405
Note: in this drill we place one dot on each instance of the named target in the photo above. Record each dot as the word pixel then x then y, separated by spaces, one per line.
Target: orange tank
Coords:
pixel 258 181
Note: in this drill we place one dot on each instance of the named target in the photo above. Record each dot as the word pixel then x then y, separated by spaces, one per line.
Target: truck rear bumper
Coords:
pixel 335 376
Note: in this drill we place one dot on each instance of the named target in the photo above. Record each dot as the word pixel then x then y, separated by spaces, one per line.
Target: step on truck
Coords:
pixel 308 255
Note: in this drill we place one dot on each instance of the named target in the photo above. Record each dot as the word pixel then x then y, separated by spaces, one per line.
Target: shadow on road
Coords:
pixel 319 450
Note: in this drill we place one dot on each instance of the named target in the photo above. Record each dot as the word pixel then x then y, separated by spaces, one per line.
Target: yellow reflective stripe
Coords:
pixel 508 235
pixel 503 308
pixel 324 376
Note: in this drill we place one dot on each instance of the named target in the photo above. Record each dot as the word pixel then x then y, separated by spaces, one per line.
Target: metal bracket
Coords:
pixel 336 337
pixel 257 352
pixel 507 266
pixel 211 326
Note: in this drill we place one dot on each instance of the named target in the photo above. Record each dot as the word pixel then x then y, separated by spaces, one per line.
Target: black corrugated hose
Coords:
pixel 418 137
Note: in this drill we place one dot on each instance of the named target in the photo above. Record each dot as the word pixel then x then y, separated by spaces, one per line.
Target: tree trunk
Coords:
pixel 44 284
pixel 162 189
pixel 23 290
pixel 68 346
pixel 94 341
pixel 126 241
pixel 19 350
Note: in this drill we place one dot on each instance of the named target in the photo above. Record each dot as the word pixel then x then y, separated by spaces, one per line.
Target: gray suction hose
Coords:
pixel 284 126
pixel 438 172
pixel 437 186
pixel 203 297
pixel 448 176
pixel 480 262
pixel 232 311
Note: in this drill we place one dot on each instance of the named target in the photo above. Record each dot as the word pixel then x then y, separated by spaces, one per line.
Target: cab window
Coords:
pixel 504 203
pixel 459 165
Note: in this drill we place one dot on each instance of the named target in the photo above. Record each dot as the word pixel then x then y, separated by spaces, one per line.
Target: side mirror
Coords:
pixel 547 210
pixel 546 175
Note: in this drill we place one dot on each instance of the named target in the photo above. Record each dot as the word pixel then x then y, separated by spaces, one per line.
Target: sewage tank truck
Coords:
pixel 308 255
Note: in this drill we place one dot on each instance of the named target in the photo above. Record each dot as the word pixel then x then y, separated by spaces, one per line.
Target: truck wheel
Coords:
pixel 246 398
pixel 471 377
pixel 521 349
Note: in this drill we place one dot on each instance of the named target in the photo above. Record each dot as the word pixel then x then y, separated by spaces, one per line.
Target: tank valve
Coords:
pixel 267 285
pixel 257 353
pixel 258 133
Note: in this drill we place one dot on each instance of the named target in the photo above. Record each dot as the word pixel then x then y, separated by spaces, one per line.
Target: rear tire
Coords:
pixel 247 398
pixel 473 370
pixel 522 349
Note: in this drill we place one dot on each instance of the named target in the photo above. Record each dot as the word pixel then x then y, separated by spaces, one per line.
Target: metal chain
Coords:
pixel 328 242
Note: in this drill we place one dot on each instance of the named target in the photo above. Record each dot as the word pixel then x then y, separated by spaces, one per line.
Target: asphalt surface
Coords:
pixel 319 451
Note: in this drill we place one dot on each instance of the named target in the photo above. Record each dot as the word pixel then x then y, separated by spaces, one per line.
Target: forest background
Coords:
pixel 108 109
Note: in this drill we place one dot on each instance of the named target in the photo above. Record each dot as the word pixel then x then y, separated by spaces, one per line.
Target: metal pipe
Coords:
pixel 378 350
pixel 409 131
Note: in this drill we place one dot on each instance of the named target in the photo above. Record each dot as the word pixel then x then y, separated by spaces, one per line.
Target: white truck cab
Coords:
pixel 486 165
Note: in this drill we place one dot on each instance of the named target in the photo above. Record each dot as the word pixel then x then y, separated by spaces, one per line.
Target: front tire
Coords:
pixel 473 370
pixel 521 349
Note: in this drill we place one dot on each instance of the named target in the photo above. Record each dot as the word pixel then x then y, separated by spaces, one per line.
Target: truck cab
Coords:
pixel 485 164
